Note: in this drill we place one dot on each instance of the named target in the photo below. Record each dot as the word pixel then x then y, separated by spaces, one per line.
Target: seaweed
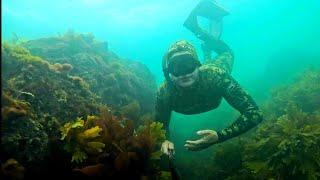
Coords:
pixel 290 146
pixel 132 111
pixel 23 137
pixel 228 160
pixel 117 81
pixel 46 86
pixel 125 152
pixel 63 80
pixel 302 92
pixel 287 144
pixel 81 138
pixel 12 169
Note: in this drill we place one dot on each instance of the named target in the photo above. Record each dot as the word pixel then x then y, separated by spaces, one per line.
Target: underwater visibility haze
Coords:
pixel 82 81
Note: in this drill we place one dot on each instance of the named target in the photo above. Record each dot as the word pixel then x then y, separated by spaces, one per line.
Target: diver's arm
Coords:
pixel 211 43
pixel 163 112
pixel 243 102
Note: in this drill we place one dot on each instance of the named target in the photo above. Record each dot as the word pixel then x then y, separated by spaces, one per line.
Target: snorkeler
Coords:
pixel 192 88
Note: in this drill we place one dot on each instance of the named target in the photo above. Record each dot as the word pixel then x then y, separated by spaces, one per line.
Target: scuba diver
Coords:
pixel 191 87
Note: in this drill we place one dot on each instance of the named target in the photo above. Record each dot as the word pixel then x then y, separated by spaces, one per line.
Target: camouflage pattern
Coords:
pixel 214 83
pixel 181 46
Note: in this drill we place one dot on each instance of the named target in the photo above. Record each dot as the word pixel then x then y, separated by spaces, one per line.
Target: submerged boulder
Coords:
pixel 117 81
pixel 48 82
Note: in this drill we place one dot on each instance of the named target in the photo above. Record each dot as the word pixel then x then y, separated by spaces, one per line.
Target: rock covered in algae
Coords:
pixel 23 137
pixel 117 81
pixel 49 82
pixel 48 88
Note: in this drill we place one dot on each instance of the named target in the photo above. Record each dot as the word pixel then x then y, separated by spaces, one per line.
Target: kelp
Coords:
pixel 302 92
pixel 117 81
pixel 131 110
pixel 286 144
pixel 82 138
pixel 124 152
pixel 12 108
pixel 289 147
pixel 149 136
pixel 228 159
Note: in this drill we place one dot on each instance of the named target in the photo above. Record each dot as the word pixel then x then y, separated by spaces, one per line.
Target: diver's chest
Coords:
pixel 197 102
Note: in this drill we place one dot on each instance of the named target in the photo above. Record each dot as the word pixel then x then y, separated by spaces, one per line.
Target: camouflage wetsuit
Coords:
pixel 214 83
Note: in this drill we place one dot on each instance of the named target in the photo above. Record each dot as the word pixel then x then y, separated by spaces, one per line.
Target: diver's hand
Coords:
pixel 167 148
pixel 209 138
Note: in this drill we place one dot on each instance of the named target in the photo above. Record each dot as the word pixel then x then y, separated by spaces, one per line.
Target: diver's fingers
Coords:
pixel 171 151
pixel 170 145
pixel 194 142
pixel 164 148
pixel 191 147
pixel 204 132
pixel 194 147
pixel 171 148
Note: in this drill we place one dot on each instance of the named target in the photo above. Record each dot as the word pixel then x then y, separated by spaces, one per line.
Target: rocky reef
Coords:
pixel 72 108
pixel 53 90
pixel 118 82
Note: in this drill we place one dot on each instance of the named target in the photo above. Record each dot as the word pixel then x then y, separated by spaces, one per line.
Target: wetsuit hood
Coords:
pixel 180 52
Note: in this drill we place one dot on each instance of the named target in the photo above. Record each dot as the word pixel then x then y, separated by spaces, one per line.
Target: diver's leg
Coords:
pixel 225 61
pixel 210 10
pixel 210 43
pixel 211 40
pixel 206 53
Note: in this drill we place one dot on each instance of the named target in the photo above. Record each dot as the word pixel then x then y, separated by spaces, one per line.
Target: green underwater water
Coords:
pixel 273 42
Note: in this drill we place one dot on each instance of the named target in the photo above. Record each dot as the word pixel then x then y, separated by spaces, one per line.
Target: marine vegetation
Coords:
pixel 64 80
pixel 286 145
pixel 12 169
pixel 118 82
pixel 81 138
pixel 287 148
pixel 53 90
pixel 108 146
pixel 22 136
pixel 303 92
pixel 47 87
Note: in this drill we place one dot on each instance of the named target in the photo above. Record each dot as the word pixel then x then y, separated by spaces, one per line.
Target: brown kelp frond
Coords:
pixel 12 108
pixel 82 138
pixel 286 145
pixel 115 142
